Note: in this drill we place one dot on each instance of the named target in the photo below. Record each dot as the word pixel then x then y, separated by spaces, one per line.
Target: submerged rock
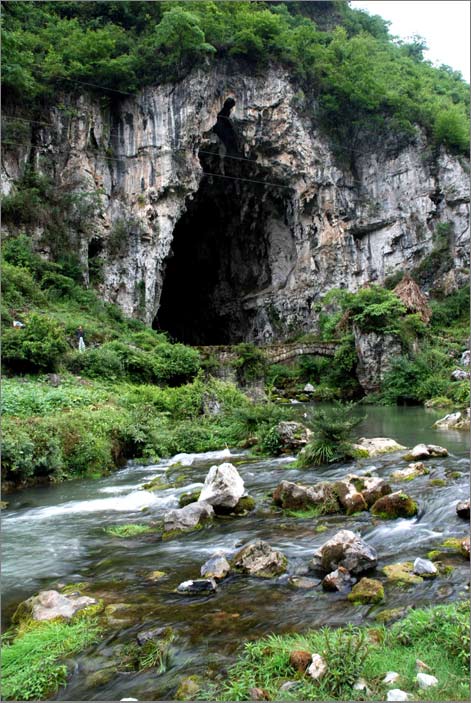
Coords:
pixel 366 591
pixel 425 451
pixel 191 517
pixel 197 587
pixel 217 567
pixel 345 549
pixel 154 634
pixel 259 559
pixel 188 688
pixel 395 505
pixel 378 445
pixel 188 498
pixel 338 580
pixel 413 471
pixel 48 605
pixel 462 509
pixel 223 486
pixel 302 582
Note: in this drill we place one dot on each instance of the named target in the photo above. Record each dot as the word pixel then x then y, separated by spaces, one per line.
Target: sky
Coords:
pixel 444 24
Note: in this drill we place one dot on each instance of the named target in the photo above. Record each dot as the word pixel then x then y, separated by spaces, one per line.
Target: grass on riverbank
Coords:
pixel 439 636
pixel 33 665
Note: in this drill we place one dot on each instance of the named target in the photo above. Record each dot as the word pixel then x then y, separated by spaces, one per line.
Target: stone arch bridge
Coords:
pixel 274 353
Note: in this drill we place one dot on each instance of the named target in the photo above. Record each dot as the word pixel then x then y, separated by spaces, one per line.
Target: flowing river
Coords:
pixel 55 535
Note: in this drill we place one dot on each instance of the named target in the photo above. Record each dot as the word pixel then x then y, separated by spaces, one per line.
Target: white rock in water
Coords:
pixel 391 677
pixel 317 669
pixel 378 445
pixel 424 567
pixel 129 699
pixel 426 680
pixel 223 486
pixel 395 694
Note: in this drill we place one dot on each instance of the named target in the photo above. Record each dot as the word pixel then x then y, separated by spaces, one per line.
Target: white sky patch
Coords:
pixel 444 24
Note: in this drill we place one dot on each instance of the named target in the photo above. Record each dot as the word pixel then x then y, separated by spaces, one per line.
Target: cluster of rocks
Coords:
pixel 223 493
pixel 350 495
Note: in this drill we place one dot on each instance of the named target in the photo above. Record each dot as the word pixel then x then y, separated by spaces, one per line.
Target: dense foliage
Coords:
pixel 331 434
pixel 343 58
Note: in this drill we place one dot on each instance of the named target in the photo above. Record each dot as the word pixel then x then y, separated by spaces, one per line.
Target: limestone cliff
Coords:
pixel 285 216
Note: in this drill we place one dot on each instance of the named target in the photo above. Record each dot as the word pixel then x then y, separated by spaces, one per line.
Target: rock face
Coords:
pixel 323 224
pixel 48 605
pixel 345 549
pixel 259 559
pixel 375 354
pixel 191 517
pixel 223 486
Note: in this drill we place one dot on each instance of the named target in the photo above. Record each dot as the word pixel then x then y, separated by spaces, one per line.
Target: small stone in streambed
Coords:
pixel 402 574
pixel 425 451
pixel 425 568
pixel 338 580
pixel 395 694
pixel 345 549
pixel 462 509
pixel 154 576
pixel 260 559
pixel 258 694
pixel 197 587
pixel 303 582
pixel 391 677
pixel 48 605
pixel 188 688
pixel 366 591
pixel 426 680
pixel 300 660
pixel 413 471
pixel 217 567
pixel 464 548
pixel 155 633
pixel 317 668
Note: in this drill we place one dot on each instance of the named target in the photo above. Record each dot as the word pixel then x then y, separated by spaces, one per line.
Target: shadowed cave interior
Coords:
pixel 220 255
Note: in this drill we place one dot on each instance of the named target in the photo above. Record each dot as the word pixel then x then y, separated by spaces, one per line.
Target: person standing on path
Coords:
pixel 80 338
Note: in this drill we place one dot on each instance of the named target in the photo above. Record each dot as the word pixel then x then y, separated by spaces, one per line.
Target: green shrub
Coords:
pixel 250 362
pixel 332 430
pixel 102 363
pixel 175 364
pixel 270 442
pixel 36 347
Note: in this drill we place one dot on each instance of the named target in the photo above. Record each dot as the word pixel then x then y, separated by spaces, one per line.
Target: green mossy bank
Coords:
pixel 437 636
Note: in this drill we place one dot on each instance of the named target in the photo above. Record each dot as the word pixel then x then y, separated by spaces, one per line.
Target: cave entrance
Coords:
pixel 220 258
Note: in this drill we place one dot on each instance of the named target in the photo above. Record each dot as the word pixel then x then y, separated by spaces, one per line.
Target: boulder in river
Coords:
pixel 350 499
pixel 48 605
pixel 295 496
pixel 191 517
pixel 395 505
pixel 402 574
pixel 413 471
pixel 366 591
pixel 293 435
pixel 425 451
pixel 377 445
pixel 223 486
pixel 462 509
pixel 371 487
pixel 425 568
pixel 454 421
pixel 197 587
pixel 338 580
pixel 259 559
pixel 345 549
pixel 217 567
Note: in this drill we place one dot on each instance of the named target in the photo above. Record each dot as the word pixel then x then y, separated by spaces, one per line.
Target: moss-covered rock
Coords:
pixel 154 576
pixel 437 482
pixel 187 498
pixel 402 574
pixel 159 483
pixel 188 688
pixel 413 471
pixel 366 591
pixel 395 505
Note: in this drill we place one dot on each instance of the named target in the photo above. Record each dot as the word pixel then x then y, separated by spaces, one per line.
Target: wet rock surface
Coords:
pixel 48 605
pixel 259 559
pixel 395 505
pixel 223 486
pixel 191 517
pixel 345 549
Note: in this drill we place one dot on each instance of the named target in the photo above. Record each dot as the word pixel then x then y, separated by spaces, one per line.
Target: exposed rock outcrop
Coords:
pixel 308 223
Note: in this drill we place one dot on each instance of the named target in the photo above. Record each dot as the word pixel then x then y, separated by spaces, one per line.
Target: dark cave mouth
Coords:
pixel 220 256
